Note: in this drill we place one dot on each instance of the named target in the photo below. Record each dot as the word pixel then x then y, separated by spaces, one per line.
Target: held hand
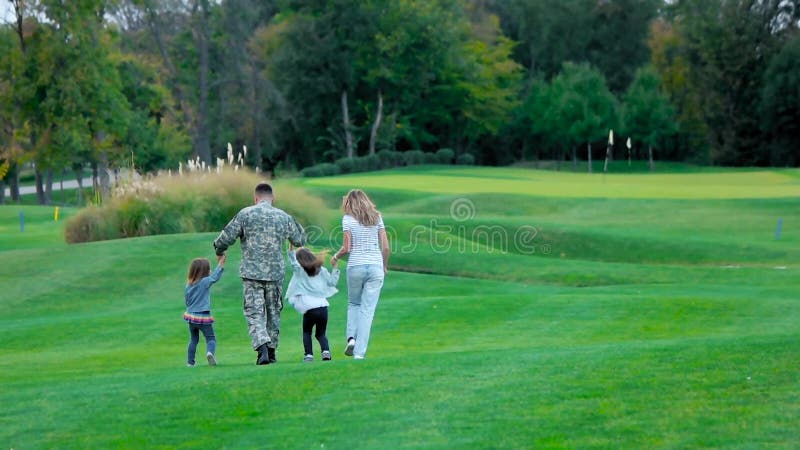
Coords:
pixel 334 261
pixel 221 259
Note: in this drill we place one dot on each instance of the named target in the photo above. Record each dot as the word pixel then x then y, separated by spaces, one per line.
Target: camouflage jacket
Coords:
pixel 261 229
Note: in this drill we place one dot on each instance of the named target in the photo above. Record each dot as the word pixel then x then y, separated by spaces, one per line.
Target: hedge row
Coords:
pixel 386 159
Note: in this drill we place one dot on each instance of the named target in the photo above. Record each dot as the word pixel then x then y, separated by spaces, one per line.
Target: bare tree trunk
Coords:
pixel 608 155
pixel 13 182
pixel 2 192
pixel 39 186
pixel 375 125
pixel 574 157
pixel 650 155
pixel 19 15
pixel 79 177
pixel 95 179
pixel 589 154
pixel 348 137
pixel 61 182
pixel 48 186
pixel 104 181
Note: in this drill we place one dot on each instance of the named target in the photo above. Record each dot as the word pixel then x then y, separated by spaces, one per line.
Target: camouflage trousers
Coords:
pixel 262 307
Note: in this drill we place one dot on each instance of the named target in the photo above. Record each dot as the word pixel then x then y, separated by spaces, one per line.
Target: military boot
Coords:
pixel 271 354
pixel 263 356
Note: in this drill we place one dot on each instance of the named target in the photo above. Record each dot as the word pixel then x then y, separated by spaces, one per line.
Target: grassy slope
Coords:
pixel 614 344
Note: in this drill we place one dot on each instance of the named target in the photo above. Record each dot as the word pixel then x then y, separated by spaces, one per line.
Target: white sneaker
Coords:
pixel 211 360
pixel 308 358
pixel 358 356
pixel 326 355
pixel 348 350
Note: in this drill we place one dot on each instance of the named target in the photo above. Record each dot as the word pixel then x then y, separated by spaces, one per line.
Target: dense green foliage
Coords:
pixel 386 159
pixel 644 319
pixel 145 84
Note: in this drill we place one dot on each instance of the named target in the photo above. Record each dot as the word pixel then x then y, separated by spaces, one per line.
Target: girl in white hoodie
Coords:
pixel 308 292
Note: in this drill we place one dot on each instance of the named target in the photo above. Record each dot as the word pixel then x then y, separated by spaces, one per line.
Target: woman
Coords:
pixel 364 238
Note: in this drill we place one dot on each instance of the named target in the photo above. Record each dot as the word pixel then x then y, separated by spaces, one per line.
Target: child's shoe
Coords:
pixel 326 355
pixel 189 364
pixel 308 358
pixel 211 360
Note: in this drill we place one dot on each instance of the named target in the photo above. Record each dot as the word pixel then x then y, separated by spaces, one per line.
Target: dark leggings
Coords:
pixel 194 338
pixel 315 317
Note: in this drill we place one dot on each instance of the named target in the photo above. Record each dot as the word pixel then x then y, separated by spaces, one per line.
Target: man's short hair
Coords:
pixel 263 190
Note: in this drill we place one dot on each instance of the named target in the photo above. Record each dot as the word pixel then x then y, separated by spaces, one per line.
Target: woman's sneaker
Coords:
pixel 211 360
pixel 326 355
pixel 348 350
pixel 308 358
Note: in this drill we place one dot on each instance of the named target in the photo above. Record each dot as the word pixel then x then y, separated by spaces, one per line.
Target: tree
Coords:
pixel 780 105
pixel 618 43
pixel 583 107
pixel 647 115
pixel 609 35
pixel 547 32
pixel 76 110
pixel 671 61
pixel 728 45
pixel 544 116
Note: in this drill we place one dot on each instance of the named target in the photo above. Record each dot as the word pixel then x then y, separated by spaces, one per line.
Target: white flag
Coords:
pixel 628 143
pixel 611 137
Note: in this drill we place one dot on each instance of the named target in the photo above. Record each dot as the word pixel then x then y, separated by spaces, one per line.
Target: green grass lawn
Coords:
pixel 664 319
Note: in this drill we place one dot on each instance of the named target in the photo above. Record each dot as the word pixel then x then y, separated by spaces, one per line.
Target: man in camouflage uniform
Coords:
pixel 261 230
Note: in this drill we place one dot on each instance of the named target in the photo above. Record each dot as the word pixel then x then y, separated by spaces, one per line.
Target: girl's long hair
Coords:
pixel 357 204
pixel 198 269
pixel 309 261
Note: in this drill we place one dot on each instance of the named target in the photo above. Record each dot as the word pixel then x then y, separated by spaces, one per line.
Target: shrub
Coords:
pixel 465 159
pixel 413 157
pixel 347 165
pixel 92 224
pixel 388 159
pixel 194 202
pixel 311 171
pixel 360 164
pixel 328 169
pixel 445 156
pixel 430 158
pixel 373 162
pixel 321 170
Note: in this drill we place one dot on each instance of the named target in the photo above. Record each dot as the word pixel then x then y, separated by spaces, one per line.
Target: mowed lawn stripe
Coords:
pixel 737 185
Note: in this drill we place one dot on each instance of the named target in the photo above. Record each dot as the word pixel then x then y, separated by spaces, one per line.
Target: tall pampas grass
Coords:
pixel 197 200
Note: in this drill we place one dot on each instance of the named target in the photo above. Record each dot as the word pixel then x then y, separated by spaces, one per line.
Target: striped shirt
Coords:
pixel 365 246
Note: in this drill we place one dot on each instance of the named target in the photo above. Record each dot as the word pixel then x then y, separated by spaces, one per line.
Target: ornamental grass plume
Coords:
pixel 196 201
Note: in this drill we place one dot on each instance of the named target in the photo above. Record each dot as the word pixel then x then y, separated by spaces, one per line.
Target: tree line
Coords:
pixel 147 83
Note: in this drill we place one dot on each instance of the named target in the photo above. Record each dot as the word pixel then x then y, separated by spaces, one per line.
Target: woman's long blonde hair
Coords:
pixel 357 204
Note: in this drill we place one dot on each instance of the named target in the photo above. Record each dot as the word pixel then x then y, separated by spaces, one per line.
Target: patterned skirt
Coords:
pixel 198 318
